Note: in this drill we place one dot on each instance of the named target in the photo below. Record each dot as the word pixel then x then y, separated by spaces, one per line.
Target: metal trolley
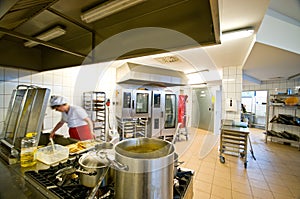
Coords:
pixel 234 140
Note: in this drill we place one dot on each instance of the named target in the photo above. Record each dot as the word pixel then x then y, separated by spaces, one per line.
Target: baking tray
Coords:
pixel 82 146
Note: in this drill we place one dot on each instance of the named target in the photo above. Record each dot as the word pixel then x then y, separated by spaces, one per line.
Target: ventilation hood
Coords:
pixel 132 73
pixel 24 20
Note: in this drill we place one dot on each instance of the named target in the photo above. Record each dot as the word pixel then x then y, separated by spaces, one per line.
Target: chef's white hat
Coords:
pixel 57 100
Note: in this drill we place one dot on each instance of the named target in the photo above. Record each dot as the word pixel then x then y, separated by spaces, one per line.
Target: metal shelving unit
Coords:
pixel 94 104
pixel 276 108
pixel 132 127
pixel 141 127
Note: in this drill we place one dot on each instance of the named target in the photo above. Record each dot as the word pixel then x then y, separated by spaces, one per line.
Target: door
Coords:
pixel 170 111
pixel 141 103
pixel 255 105
pixel 205 107
pixel 195 110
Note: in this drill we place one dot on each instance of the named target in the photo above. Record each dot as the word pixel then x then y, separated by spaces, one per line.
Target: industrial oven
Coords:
pixel 132 103
pixel 157 107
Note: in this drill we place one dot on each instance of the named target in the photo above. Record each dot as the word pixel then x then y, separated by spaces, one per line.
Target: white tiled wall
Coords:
pixel 274 86
pixel 231 89
pixel 60 82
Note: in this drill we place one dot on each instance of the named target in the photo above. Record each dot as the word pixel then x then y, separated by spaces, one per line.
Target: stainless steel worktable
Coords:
pixel 13 183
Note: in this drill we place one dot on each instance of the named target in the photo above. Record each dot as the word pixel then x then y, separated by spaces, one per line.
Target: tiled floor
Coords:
pixel 274 175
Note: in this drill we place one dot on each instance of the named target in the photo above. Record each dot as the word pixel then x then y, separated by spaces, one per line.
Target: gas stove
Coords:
pixel 68 186
pixel 183 184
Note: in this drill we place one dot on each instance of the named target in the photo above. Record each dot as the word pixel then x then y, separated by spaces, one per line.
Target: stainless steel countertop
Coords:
pixel 13 183
pixel 236 129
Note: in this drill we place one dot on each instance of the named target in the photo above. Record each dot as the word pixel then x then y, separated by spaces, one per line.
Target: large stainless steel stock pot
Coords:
pixel 150 169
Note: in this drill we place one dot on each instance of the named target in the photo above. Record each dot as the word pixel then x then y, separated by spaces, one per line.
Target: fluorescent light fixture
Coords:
pixel 46 36
pixel 107 9
pixel 198 71
pixel 236 34
pixel 201 85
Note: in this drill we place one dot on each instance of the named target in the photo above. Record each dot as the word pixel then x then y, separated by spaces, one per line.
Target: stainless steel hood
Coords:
pixel 23 20
pixel 132 73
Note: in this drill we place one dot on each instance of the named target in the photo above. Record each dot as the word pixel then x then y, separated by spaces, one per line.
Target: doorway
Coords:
pixel 203 111
pixel 255 103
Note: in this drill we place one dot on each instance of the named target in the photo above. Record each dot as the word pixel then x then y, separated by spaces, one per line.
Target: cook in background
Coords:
pixel 80 125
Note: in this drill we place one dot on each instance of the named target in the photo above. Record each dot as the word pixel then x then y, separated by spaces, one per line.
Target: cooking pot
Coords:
pixel 150 164
pixel 95 163
pixel 95 167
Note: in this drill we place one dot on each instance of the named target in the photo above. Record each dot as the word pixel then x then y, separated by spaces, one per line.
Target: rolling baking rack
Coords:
pixel 95 105
pixel 234 141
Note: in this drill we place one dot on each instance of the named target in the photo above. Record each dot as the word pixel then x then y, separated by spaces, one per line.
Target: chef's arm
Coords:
pixel 90 123
pixel 57 126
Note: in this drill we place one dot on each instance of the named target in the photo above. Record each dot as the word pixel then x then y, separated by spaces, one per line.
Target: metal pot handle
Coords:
pixel 117 165
pixel 112 163
pixel 86 172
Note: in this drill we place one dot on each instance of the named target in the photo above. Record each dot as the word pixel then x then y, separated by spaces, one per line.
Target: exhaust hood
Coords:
pixel 132 73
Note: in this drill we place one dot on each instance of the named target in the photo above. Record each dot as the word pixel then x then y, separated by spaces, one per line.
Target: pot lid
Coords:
pixel 93 160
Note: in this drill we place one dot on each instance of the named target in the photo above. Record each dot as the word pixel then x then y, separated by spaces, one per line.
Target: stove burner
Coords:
pixel 69 187
pixel 182 181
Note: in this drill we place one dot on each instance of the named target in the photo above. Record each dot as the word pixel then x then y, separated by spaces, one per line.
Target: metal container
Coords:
pixel 150 169
pixel 95 167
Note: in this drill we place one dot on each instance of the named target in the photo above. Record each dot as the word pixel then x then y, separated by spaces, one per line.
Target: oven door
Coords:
pixel 141 104
pixel 170 111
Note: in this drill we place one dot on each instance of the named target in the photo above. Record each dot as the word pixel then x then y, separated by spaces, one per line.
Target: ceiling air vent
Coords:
pixel 168 59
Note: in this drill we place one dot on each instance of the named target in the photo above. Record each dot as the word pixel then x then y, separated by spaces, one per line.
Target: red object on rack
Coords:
pixel 182 110
pixel 107 102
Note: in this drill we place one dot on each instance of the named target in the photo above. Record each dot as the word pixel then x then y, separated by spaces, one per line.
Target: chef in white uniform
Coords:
pixel 80 125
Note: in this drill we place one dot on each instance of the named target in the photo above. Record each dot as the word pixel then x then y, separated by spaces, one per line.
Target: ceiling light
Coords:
pixel 200 85
pixel 46 36
pixel 236 34
pixel 107 9
pixel 198 71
